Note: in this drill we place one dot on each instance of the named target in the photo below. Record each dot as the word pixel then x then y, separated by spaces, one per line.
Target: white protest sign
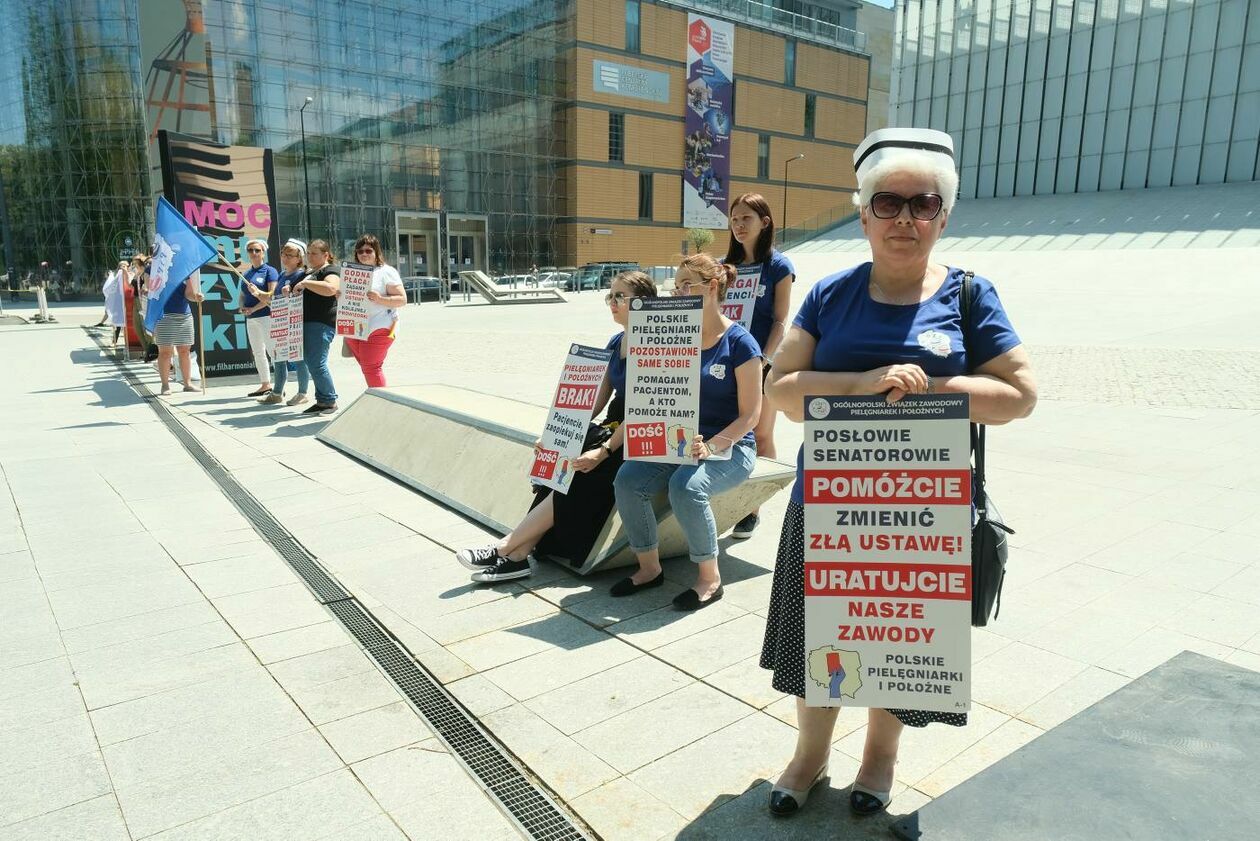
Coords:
pixel 741 295
pixel 570 416
pixel 297 315
pixel 663 378
pixel 888 552
pixel 352 314
pixel 286 327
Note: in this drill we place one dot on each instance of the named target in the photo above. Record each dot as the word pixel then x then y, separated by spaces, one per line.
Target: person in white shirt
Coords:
pixel 384 298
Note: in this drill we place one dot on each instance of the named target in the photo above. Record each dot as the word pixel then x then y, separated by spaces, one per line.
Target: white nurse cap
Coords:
pixel 882 143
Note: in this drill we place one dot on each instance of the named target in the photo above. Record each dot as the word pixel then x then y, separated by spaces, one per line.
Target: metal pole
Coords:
pixel 306 174
pixel 783 224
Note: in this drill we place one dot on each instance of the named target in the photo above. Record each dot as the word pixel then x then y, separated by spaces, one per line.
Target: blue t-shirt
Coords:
pixel 178 304
pixel 616 366
pixel 775 270
pixel 260 276
pixel 855 334
pixel 719 393
pixel 284 280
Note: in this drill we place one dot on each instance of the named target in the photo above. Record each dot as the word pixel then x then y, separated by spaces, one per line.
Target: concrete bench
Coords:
pixel 472 451
pixel 499 295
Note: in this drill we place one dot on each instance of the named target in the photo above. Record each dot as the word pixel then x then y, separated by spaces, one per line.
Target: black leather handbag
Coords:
pixel 988 533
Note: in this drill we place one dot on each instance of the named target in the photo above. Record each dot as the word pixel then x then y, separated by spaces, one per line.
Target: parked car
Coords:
pixel 554 280
pixel 662 276
pixel 514 280
pixel 422 288
pixel 598 275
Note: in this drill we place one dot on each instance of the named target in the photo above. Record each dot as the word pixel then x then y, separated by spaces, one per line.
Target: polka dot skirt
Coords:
pixel 783 651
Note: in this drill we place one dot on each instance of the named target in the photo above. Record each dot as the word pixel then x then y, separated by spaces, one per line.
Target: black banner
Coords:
pixel 228 193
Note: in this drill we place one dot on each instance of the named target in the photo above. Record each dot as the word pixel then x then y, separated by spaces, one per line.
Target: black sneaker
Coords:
pixel 744 528
pixel 504 570
pixel 320 409
pixel 483 557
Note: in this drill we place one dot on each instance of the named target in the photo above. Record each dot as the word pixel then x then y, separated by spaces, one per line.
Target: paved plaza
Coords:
pixel 164 674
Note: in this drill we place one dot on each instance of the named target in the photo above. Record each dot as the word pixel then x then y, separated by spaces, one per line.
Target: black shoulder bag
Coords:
pixel 988 534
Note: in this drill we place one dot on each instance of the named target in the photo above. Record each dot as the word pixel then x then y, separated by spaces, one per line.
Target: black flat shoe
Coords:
pixel 868 801
pixel 690 599
pixel 627 587
pixel 786 801
pixel 260 392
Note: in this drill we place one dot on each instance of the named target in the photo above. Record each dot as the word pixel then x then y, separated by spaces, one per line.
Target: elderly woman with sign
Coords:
pixel 894 327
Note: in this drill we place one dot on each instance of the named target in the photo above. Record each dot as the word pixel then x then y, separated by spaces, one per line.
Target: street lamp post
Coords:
pixel 306 174
pixel 785 187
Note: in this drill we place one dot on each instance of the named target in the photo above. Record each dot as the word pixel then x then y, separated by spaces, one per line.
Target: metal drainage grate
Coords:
pixel 523 799
pixel 531 808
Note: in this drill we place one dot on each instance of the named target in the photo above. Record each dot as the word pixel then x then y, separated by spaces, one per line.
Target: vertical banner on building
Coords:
pixel 741 295
pixel 570 416
pixel 888 553
pixel 352 314
pixel 286 327
pixel 228 193
pixel 663 378
pixel 707 149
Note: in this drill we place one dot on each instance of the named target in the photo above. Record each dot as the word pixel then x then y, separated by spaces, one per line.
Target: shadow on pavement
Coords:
pixel 825 816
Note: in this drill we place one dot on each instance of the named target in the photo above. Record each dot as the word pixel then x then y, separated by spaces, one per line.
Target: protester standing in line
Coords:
pixel 293 263
pixel 255 305
pixel 384 297
pixel 139 305
pixel 175 332
pixel 730 402
pixel 115 298
pixel 752 248
pixel 319 325
pixel 892 326
pixel 568 524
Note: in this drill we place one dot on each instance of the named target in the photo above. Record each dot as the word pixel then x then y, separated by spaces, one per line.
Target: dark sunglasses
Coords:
pixel 254 250
pixel 924 207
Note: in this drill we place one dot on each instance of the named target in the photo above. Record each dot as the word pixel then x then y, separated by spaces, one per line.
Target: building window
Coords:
pixel 811 104
pixel 616 136
pixel 763 156
pixel 632 26
pixel 789 63
pixel 645 195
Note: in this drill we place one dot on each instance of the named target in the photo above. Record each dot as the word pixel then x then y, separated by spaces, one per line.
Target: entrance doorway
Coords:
pixel 418 243
pixel 466 243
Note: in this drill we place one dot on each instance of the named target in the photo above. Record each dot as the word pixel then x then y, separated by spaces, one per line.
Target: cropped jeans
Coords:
pixel 691 486
pixel 317 338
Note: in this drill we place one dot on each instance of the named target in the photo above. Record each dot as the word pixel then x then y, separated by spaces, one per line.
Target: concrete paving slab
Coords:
pixel 591 701
pixel 97 819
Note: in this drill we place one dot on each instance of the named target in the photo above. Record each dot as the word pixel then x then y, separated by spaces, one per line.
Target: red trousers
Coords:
pixel 370 354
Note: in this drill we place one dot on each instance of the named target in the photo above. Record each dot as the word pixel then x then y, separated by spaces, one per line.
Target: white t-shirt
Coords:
pixel 379 316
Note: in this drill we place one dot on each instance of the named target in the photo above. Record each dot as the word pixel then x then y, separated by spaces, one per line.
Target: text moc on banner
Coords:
pixel 297 315
pixel 663 378
pixel 352 314
pixel 570 415
pixel 888 552
pixel 280 326
pixel 741 295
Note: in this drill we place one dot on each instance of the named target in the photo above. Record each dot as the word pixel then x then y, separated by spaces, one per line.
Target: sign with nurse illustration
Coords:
pixel 707 121
pixel 571 410
pixel 888 552
pixel 663 378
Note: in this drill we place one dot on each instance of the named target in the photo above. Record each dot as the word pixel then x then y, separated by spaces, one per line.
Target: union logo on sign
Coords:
pixel 699 36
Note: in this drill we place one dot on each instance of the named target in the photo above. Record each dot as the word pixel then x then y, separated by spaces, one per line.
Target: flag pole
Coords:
pixel 201 348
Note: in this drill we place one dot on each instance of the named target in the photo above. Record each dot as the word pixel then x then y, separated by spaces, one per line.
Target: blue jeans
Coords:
pixel 318 338
pixel 690 489
pixel 280 377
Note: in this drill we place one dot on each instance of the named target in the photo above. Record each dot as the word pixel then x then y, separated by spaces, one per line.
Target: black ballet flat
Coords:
pixel 868 801
pixel 690 599
pixel 627 587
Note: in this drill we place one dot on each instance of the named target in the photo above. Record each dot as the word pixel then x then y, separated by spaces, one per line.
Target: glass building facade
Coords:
pixel 1062 96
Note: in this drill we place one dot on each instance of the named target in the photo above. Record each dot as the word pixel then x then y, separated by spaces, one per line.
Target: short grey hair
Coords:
pixel 910 162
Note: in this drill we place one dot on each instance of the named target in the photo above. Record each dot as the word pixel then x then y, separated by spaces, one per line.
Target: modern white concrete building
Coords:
pixel 1063 96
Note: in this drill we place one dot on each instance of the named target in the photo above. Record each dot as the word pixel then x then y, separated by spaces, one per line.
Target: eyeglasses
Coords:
pixel 617 298
pixel 924 207
pixel 686 287
pixel 254 250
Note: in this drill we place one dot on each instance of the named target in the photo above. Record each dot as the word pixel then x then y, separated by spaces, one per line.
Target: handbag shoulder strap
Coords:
pixel 977 429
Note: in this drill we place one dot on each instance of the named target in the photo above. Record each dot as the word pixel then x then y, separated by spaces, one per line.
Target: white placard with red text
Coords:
pixel 888 552
pixel 741 295
pixel 352 314
pixel 570 416
pixel 286 327
pixel 663 378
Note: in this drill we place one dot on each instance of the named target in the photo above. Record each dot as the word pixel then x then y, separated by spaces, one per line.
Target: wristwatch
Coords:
pixel 607 450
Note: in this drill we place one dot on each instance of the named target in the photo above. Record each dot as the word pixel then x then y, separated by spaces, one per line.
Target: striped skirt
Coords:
pixel 174 329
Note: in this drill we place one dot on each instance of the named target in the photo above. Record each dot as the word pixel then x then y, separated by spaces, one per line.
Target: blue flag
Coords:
pixel 179 250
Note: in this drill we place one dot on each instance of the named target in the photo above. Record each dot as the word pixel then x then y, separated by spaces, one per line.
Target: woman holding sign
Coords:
pixel 769 275
pixel 730 402
pixel 255 305
pixel 319 324
pixel 570 522
pixel 293 261
pixel 384 297
pixel 892 326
